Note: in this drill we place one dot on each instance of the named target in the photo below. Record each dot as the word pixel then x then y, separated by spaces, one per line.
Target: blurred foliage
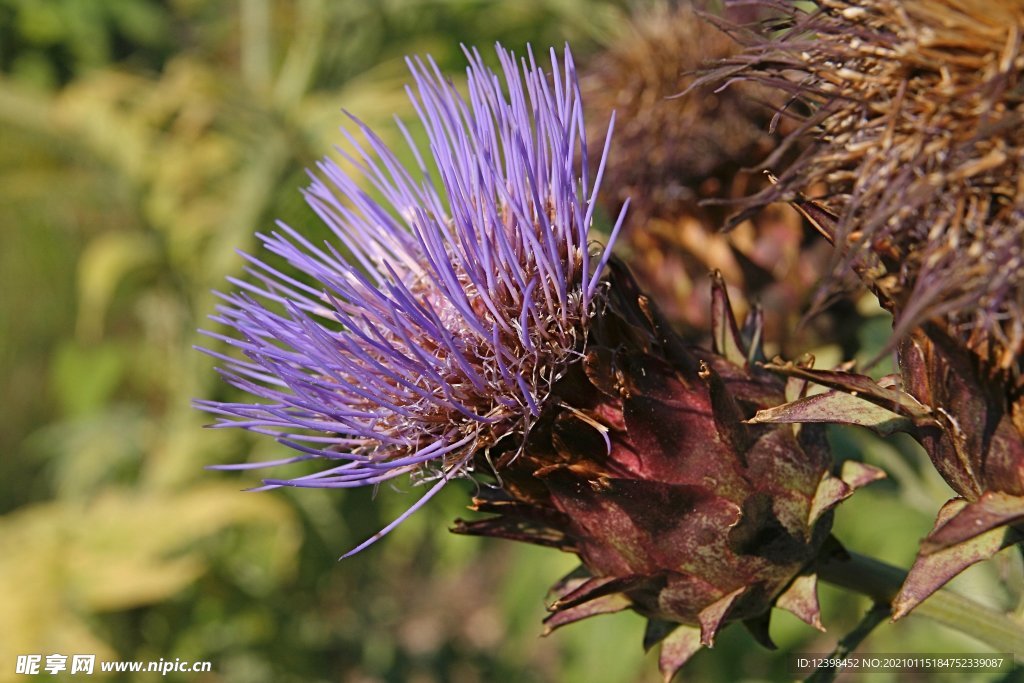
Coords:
pixel 146 140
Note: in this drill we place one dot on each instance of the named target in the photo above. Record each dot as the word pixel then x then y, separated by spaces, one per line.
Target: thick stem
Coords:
pixel 881 582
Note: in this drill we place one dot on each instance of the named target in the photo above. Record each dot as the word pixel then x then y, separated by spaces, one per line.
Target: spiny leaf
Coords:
pixel 835 407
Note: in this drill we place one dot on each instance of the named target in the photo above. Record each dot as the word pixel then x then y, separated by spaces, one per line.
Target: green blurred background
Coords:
pixel 141 142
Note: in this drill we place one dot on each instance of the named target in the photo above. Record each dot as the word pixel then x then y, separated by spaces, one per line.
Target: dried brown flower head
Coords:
pixel 670 151
pixel 915 132
pixel 682 156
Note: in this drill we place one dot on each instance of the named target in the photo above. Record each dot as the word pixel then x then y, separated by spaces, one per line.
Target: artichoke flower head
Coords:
pixel 471 333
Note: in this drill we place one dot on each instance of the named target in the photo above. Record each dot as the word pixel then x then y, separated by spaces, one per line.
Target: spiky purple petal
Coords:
pixel 436 319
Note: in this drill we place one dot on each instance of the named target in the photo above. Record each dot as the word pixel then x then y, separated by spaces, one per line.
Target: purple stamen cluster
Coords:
pixel 436 319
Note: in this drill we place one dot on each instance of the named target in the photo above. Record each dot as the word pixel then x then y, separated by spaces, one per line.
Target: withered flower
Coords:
pixel 673 151
pixel 915 136
pixel 683 156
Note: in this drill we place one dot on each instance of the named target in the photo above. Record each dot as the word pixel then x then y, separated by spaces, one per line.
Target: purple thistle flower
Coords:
pixel 435 322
